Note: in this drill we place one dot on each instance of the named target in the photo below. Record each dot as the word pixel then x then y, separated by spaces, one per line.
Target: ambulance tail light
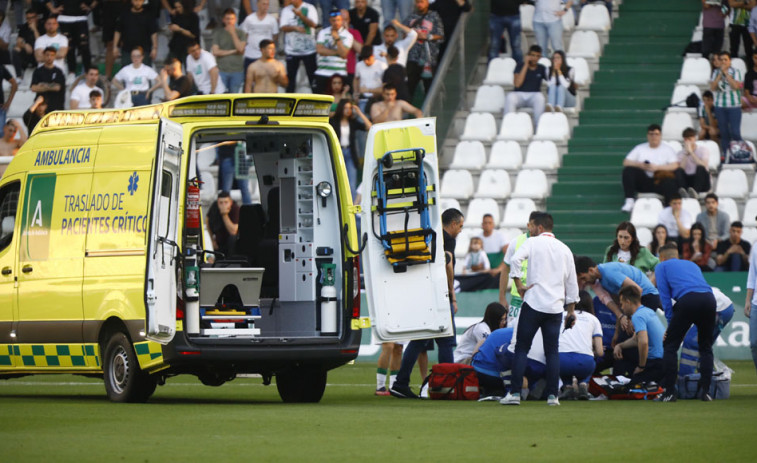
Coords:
pixel 356 286
pixel 179 309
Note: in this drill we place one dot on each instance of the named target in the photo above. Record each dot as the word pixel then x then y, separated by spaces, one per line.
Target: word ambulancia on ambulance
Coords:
pixel 105 270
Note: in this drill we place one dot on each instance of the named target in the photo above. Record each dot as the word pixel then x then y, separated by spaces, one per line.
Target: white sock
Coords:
pixel 392 379
pixel 380 380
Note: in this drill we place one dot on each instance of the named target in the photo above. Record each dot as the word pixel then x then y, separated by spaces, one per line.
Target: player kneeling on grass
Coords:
pixel 493 362
pixel 578 347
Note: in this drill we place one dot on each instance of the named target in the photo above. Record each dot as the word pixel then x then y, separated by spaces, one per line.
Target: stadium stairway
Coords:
pixel 630 90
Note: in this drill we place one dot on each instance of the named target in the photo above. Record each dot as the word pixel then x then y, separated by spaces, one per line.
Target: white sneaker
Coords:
pixel 628 205
pixel 511 399
pixel 552 400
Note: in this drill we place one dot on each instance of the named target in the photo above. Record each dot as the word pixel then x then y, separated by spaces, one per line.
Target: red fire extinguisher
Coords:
pixel 193 206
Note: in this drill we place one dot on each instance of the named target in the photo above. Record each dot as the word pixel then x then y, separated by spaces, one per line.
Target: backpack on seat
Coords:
pixel 739 152
pixel 453 381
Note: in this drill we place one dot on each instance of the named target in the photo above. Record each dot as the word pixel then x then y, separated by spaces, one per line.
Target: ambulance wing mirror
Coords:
pixel 360 245
pixel 7 226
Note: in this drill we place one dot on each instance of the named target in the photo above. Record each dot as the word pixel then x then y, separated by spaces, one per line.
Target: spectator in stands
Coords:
pixel 5 103
pixel 339 90
pixel 578 346
pixel 266 74
pixel 548 22
pixel 450 11
pixel 222 222
pixel 80 94
pixel 259 26
pixel 751 300
pixel 136 27
pixel 696 249
pixel 476 259
pixel 49 81
pixel 298 21
pixel 749 100
pixel 53 39
pixel 659 239
pixel 693 175
pixel 23 52
pixel 495 317
pixel 137 78
pixel 368 75
pixel 494 242
pixel 347 120
pixel 365 19
pixel 396 10
pixel 695 303
pixel 229 46
pixel 9 143
pixel 391 109
pixel 627 249
pixel 35 113
pixel 73 20
pixel 648 338
pixel 561 88
pixel 110 12
pixel 355 49
pixel 713 27
pixel 395 74
pixel 202 65
pixel 96 99
pixel 333 45
pixel 741 11
pixel 715 221
pixel 708 124
pixel 527 81
pixel 648 168
pixel 390 39
pixel 733 253
pixel 423 57
pixel 676 219
pixel 727 83
pixel 185 29
pixel 175 84
pixel 505 14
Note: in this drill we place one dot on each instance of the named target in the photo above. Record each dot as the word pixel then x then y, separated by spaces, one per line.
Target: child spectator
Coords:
pixel 95 99
pixel 476 259
pixel 708 125
pixel 495 317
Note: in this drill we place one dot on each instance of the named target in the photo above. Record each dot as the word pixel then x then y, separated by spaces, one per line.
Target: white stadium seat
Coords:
pixel 676 145
pixel 542 155
pixel 674 124
pixel 489 98
pixel 449 203
pixel 584 44
pixel 645 212
pixel 739 65
pixel 469 155
pixel 476 210
pixel 680 93
pixel 692 206
pixel 510 233
pixel 527 17
pixel 553 126
pixel 568 21
pixel 644 235
pixel 516 126
pixel 749 234
pixel 531 183
pixel 749 126
pixel 581 72
pixel 457 184
pixel 713 151
pixel 517 211
pixel 594 17
pixel 728 205
pixel 500 71
pixel 695 71
pixel 493 184
pixel 750 212
pixel 732 183
pixel 479 126
pixel 505 155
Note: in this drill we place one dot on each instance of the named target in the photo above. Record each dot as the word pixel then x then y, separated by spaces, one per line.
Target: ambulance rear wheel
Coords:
pixel 124 380
pixel 301 385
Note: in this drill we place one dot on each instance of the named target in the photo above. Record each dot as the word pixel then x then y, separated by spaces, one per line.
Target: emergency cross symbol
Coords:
pixel 133 183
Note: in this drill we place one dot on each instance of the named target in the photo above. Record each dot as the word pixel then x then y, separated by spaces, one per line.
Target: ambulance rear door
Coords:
pixel 404 301
pixel 163 250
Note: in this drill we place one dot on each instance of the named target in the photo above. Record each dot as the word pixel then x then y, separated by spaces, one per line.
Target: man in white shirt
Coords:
pixel 52 38
pixel 368 74
pixel 332 45
pixel 80 94
pixel 551 286
pixel 645 162
pixel 298 21
pixel 136 78
pixel 258 26
pixel 202 65
pixel 390 38
pixel 495 244
pixel 677 221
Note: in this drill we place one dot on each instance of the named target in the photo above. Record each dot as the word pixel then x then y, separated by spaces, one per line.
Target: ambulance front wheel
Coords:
pixel 301 385
pixel 124 380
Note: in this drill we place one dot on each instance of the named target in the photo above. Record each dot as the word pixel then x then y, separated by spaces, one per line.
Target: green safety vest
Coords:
pixel 518 243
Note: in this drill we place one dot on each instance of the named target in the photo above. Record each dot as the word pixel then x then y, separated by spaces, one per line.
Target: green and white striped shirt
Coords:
pixel 330 65
pixel 725 95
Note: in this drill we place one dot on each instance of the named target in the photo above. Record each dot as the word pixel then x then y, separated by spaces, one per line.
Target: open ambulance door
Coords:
pixel 163 250
pixel 403 260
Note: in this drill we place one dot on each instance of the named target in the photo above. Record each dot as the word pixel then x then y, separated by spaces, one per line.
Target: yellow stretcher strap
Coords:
pixel 420 257
pixel 402 205
pixel 402 191
pixel 224 312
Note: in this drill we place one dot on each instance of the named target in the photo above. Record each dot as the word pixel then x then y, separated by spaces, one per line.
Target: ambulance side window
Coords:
pixel 8 206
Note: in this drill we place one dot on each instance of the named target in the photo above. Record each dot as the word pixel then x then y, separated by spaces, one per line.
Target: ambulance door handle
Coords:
pixel 27 269
pixel 7 270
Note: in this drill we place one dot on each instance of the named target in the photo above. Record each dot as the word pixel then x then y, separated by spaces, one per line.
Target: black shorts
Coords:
pixel 110 14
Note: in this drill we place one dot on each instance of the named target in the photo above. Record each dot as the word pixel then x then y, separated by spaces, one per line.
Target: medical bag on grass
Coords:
pixel 720 387
pixel 453 381
pixel 614 389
